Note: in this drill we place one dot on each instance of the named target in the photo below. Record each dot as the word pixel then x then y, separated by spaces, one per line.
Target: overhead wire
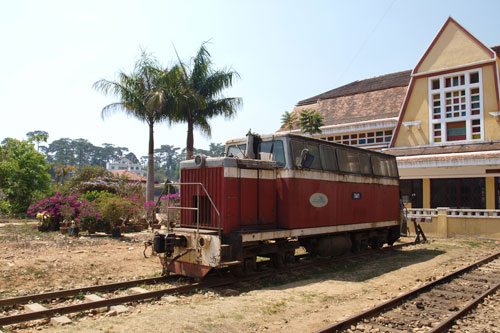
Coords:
pixel 368 37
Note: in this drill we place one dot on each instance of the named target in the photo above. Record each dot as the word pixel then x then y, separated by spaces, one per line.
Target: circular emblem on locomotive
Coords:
pixel 318 200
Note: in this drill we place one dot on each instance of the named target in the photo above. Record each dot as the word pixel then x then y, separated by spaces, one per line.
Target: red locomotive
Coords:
pixel 272 194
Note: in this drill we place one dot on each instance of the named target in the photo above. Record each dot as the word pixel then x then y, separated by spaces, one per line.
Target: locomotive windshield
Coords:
pixel 237 151
pixel 272 151
pixel 266 151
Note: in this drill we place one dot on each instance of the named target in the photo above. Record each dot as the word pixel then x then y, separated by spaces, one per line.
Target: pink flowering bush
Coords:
pixel 149 207
pixel 96 201
pixel 52 206
pixel 117 210
pixel 89 218
pixel 106 183
pixel 172 200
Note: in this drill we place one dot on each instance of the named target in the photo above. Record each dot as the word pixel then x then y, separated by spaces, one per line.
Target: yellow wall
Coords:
pixel 453 48
pixel 488 228
pixel 426 195
pixel 417 109
pixel 490 192
pixel 491 126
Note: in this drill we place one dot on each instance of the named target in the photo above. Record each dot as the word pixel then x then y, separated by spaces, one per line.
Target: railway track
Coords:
pixel 222 279
pixel 434 307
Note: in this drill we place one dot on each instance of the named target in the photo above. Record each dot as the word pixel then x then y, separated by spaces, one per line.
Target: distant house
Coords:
pixel 441 120
pixel 125 164
pixel 132 176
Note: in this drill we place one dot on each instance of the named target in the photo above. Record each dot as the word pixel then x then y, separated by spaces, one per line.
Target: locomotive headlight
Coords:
pixel 199 160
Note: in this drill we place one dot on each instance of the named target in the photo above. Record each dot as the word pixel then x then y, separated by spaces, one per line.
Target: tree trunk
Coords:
pixel 150 189
pixel 190 142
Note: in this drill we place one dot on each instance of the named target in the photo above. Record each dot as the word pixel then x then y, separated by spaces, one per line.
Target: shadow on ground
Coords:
pixel 358 269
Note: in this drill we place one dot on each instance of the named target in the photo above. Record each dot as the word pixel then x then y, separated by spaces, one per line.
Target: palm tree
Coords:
pixel 288 120
pixel 145 95
pixel 201 98
pixel 310 121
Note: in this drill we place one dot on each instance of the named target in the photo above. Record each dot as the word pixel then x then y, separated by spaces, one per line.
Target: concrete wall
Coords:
pixel 443 225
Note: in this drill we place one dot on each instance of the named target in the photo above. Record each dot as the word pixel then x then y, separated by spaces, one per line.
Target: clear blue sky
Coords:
pixel 53 51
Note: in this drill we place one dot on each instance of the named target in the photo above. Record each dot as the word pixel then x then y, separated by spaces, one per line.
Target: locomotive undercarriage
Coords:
pixel 195 255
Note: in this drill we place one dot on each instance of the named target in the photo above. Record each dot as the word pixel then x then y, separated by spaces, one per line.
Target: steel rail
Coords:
pixel 346 323
pixel 108 302
pixel 72 292
pixel 121 285
pixel 13 319
pixel 445 324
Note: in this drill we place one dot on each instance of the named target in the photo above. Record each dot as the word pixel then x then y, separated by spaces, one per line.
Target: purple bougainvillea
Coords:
pixel 52 206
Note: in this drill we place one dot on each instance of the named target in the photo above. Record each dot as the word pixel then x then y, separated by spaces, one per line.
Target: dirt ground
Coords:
pixel 32 262
pixel 301 302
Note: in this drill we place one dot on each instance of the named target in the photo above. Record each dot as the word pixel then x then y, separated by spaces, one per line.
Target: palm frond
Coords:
pixel 203 126
pixel 127 109
pixel 217 82
pixel 226 107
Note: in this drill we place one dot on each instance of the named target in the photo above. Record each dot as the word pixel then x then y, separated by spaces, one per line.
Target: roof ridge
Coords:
pixel 381 82
pixel 356 87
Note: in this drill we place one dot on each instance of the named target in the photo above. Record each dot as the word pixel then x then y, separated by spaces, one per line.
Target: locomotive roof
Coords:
pixel 307 138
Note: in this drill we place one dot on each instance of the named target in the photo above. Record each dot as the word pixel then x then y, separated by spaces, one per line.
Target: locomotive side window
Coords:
pixel 272 151
pixel 328 158
pixel 379 166
pixel 393 168
pixel 237 150
pixel 348 161
pixel 384 166
pixel 364 164
pixel 297 147
pixel 313 151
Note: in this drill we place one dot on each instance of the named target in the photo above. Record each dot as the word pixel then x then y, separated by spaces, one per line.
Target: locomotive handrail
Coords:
pixel 194 208
pixel 198 185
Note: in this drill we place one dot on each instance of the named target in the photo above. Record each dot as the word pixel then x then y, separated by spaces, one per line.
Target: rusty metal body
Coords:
pixel 297 191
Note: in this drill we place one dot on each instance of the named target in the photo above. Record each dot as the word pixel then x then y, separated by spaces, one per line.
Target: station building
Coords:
pixel 441 120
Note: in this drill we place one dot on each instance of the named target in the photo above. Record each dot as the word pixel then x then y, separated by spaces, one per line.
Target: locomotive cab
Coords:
pixel 271 194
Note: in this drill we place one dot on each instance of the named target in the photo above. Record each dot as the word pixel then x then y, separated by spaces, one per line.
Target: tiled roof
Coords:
pixel 372 105
pixel 370 99
pixel 130 175
pixel 400 79
pixel 448 149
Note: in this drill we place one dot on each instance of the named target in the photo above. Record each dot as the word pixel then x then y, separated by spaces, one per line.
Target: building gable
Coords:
pixel 452 94
pixel 453 47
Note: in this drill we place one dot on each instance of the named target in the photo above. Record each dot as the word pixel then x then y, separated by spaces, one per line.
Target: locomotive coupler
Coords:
pixel 166 243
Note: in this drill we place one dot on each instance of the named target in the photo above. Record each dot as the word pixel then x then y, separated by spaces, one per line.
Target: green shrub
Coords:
pixel 90 218
pixel 114 210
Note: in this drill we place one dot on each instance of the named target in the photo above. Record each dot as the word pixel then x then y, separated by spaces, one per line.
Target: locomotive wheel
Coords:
pixel 237 270
pixel 356 246
pixel 360 245
pixel 278 259
pixel 289 257
pixel 250 265
pixel 375 243
pixel 393 236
